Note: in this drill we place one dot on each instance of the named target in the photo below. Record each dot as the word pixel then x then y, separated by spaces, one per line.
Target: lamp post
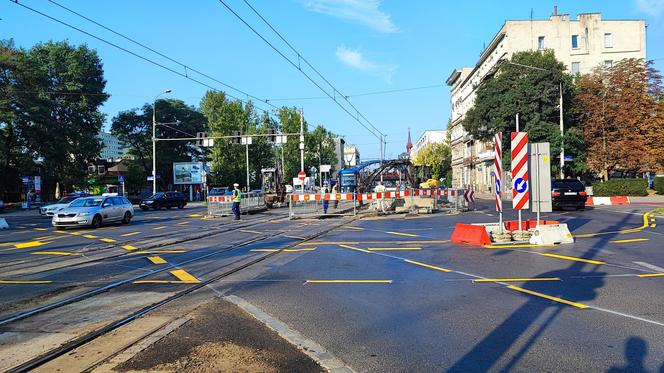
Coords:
pixel 560 105
pixel 154 141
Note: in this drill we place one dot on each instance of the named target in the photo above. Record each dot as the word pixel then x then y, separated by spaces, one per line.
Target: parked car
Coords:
pixel 430 184
pixel 164 199
pixel 568 193
pixel 50 210
pixel 94 211
pixel 220 191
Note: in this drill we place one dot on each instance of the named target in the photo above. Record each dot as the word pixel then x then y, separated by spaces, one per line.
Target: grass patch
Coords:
pixel 659 211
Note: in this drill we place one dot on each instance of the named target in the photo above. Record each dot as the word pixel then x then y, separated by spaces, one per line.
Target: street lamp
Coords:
pixel 154 141
pixel 560 105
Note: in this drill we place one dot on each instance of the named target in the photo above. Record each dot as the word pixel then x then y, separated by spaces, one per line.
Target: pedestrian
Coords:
pixel 237 196
pixel 326 202
pixel 198 195
pixel 334 192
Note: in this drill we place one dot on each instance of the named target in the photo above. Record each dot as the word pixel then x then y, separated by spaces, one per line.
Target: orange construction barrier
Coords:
pixel 619 200
pixel 471 234
pixel 513 225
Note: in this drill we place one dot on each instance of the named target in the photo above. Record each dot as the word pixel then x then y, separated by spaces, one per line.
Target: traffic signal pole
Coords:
pixel 302 139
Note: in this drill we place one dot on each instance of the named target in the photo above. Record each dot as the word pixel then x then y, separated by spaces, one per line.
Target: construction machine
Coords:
pixel 273 186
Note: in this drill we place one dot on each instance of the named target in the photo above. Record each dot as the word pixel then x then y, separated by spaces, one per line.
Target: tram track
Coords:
pixel 87 337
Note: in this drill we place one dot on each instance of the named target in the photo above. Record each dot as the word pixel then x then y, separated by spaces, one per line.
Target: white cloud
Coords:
pixel 654 8
pixel 364 12
pixel 355 59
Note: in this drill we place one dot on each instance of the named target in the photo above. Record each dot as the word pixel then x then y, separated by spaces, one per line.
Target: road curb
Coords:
pixel 309 347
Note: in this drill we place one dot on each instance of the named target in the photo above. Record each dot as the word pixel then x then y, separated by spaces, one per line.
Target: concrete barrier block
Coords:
pixel 551 234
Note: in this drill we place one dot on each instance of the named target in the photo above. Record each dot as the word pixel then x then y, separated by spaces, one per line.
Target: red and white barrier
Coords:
pixel 607 201
pixel 220 199
pixel 469 195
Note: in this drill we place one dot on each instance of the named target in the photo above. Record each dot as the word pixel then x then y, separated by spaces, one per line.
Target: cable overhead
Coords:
pixel 359 94
pixel 374 131
pixel 146 59
pixel 186 67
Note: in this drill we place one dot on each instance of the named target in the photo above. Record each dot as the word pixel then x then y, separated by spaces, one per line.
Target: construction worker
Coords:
pixel 334 193
pixel 380 188
pixel 237 197
pixel 326 203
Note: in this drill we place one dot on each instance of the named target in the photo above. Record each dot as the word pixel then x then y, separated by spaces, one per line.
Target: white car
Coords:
pixel 94 211
pixel 50 210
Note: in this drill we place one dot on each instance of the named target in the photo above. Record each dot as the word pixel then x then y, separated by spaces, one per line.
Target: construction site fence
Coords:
pixel 223 205
pixel 303 205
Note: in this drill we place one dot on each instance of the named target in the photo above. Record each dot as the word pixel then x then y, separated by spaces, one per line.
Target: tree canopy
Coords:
pixel 438 157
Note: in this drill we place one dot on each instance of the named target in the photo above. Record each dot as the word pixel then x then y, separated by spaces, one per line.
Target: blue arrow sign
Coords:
pixel 520 185
pixel 120 178
pixel 498 186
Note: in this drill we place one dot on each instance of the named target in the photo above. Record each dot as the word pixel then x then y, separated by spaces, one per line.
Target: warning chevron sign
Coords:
pixel 520 187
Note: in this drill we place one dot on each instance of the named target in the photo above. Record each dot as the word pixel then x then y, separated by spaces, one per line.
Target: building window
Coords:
pixel 540 43
pixel 575 41
pixel 608 64
pixel 101 169
pixel 608 40
pixel 576 66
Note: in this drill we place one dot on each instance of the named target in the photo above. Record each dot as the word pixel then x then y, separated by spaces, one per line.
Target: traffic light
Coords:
pixel 237 137
pixel 272 138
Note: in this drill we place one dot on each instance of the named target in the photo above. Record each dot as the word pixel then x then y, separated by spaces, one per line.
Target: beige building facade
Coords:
pixel 581 44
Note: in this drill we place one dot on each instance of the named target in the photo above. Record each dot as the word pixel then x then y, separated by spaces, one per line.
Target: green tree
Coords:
pixel 134 127
pixel 438 157
pixel 534 95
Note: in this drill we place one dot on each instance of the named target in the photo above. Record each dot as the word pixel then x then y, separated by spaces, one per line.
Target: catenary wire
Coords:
pixel 359 94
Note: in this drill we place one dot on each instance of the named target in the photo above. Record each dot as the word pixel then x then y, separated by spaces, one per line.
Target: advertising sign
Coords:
pixel 38 184
pixel 187 173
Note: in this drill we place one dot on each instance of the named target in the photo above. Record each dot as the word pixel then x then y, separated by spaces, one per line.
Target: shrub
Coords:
pixel 658 184
pixel 621 187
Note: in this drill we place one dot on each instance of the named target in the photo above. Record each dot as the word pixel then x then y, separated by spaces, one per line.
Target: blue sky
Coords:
pixel 358 45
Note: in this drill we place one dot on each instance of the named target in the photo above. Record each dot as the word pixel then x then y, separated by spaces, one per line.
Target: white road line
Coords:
pixel 625 315
pixel 650 266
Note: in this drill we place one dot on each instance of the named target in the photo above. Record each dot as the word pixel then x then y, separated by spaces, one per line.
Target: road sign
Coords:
pixel 301 175
pixel 498 164
pixel 120 179
pixel 469 196
pixel 520 185
pixel 519 145
pixel 325 168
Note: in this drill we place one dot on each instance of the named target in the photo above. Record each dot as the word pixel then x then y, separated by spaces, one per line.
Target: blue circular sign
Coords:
pixel 520 185
pixel 498 186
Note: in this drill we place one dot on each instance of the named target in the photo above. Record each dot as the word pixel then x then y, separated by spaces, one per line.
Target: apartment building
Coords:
pixel 428 137
pixel 581 44
pixel 113 149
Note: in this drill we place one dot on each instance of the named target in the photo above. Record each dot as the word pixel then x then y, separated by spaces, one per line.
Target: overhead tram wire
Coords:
pixel 146 59
pixel 356 116
pixel 186 67
pixel 359 94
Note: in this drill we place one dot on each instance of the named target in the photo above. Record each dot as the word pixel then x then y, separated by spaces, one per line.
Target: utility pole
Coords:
pixel 382 155
pixel 562 146
pixel 302 139
pixel 154 140
pixel 247 153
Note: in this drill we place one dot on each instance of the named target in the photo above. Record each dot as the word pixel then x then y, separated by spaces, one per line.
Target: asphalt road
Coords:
pixel 382 294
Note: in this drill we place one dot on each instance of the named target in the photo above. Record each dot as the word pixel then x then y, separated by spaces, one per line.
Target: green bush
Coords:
pixel 658 184
pixel 621 187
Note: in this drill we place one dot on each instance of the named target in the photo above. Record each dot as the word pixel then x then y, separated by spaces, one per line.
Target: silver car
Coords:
pixel 52 209
pixel 94 211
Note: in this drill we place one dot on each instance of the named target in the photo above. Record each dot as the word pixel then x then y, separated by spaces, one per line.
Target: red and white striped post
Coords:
pixel 498 165
pixel 520 187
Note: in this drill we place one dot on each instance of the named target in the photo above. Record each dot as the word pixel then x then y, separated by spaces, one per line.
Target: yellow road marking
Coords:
pixel 41 229
pixel 12 282
pixel 249 231
pixel 156 260
pixel 158 228
pixel 348 281
pixel 129 247
pixel 26 245
pixel 184 276
pixel 129 234
pixel 355 248
pixel 195 215
pixel 427 265
pixel 416 242
pixel 183 222
pixel 393 248
pixel 653 225
pixel 294 237
pixel 89 236
pixel 403 234
pixel 160 252
pixel 284 250
pixel 652 275
pixel 517 279
pixel 632 240
pixel 59 231
pixel 572 258
pixel 517 246
pixel 109 240
pixel 161 282
pixel 75 233
pixel 556 299
pixel 63 253
pixel 623 231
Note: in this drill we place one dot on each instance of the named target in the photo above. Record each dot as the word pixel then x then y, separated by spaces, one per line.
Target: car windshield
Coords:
pixel 156 195
pixel 67 199
pixel 573 185
pixel 86 202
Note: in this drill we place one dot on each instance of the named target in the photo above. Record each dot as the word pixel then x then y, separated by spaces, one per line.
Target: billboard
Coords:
pixel 187 173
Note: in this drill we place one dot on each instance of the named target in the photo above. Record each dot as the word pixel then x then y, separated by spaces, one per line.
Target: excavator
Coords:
pixel 273 186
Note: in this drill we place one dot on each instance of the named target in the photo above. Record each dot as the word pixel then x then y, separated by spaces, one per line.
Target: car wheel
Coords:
pixel 96 221
pixel 157 206
pixel 127 218
pixel 181 206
